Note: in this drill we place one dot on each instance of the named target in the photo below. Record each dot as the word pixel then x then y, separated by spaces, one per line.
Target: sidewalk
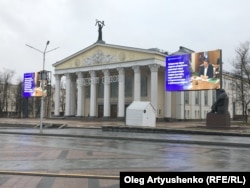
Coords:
pixel 77 123
pixel 163 132
pixel 236 128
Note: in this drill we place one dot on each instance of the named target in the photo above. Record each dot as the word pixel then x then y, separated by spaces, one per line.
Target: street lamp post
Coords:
pixel 42 80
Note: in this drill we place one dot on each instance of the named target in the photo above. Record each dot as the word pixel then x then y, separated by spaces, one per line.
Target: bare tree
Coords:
pixel 18 99
pixel 5 81
pixel 241 66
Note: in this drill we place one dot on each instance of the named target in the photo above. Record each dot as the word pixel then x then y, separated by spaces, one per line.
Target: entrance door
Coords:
pixel 113 111
pixel 100 111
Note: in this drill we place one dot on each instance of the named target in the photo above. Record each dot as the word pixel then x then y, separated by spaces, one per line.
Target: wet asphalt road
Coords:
pixel 102 157
pixel 50 153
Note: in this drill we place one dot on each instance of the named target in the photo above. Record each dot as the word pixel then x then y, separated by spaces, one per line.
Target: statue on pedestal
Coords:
pixel 220 106
pixel 100 26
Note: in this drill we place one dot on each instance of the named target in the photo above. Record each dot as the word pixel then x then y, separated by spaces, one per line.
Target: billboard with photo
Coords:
pixel 32 85
pixel 194 71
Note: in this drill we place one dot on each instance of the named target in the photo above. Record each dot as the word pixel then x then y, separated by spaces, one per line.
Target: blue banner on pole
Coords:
pixel 28 84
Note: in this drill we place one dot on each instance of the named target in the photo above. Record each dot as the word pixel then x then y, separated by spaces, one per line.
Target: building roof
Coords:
pixel 140 105
pixel 149 51
pixel 183 50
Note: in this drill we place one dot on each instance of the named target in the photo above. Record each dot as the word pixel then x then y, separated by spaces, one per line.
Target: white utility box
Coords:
pixel 141 113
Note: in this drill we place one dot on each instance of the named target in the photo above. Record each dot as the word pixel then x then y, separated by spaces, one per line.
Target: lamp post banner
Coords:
pixel 28 84
pixel 32 85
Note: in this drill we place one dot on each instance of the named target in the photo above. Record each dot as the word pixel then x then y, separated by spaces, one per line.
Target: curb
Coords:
pixel 173 141
pixel 170 130
pixel 58 175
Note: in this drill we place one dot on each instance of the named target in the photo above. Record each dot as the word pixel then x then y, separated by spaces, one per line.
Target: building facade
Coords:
pixel 103 79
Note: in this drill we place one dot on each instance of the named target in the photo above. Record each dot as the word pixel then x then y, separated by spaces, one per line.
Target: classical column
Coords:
pixel 92 94
pixel 80 95
pixel 121 93
pixel 106 99
pixel 137 83
pixel 57 95
pixel 68 92
pixel 154 85
pixel 73 95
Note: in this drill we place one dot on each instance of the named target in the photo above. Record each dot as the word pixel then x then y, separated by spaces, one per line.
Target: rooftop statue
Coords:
pixel 100 26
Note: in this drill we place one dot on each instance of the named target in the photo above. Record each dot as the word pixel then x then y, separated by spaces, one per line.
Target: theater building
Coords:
pixel 103 79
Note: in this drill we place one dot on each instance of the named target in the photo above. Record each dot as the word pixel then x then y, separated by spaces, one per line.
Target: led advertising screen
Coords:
pixel 194 71
pixel 28 84
pixel 32 85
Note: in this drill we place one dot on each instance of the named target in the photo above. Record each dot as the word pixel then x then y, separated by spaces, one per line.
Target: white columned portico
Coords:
pixel 92 94
pixel 57 95
pixel 80 95
pixel 137 83
pixel 154 85
pixel 121 93
pixel 106 102
pixel 68 92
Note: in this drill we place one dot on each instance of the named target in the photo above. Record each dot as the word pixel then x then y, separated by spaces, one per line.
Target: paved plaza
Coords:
pixel 86 154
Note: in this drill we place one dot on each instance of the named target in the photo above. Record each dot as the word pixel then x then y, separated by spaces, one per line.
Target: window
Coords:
pixel 128 86
pixel 197 97
pixel 206 97
pixel 214 96
pixel 100 90
pixel 114 89
pixel 87 90
pixel 186 97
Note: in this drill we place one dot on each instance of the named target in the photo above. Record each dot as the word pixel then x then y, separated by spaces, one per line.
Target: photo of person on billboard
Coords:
pixel 206 69
pixel 194 71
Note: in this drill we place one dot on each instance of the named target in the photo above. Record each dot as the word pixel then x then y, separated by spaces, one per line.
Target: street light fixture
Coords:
pixel 43 78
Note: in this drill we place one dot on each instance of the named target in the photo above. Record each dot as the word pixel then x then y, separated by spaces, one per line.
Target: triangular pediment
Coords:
pixel 101 54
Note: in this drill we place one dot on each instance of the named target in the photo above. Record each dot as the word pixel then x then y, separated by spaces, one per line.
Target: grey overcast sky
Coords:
pixel 200 25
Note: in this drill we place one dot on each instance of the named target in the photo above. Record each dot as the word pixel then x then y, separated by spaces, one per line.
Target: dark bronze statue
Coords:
pixel 100 26
pixel 220 106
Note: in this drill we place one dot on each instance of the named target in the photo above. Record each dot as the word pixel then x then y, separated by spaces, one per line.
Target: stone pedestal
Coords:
pixel 218 120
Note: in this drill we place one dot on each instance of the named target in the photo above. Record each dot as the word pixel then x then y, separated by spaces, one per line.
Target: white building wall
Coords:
pixel 179 105
pixel 170 104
